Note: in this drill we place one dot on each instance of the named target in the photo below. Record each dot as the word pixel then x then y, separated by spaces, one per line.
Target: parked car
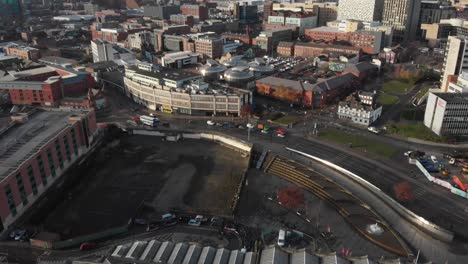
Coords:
pixel 210 123
pixel 281 238
pixel 219 124
pixel 87 246
pixel 168 217
pixel 250 125
pixel 139 221
pixel 434 159
pixel 19 235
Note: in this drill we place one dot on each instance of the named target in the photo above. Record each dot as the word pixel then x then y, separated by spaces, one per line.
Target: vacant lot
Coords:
pixel 189 175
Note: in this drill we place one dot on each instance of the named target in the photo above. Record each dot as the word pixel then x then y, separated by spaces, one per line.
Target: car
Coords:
pixel 250 126
pixel 434 159
pixel 216 221
pixel 168 217
pixel 407 153
pixel 230 228
pixel 19 235
pixel 240 127
pixel 210 123
pixel 194 222
pixel 87 246
pixel 281 237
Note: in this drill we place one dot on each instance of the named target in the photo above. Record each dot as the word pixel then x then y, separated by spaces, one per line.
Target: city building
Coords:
pixel 447 113
pixel 360 108
pixel 306 50
pixel 436 34
pixel 459 84
pixel 161 11
pixel 325 11
pixel 246 14
pixel 180 19
pixel 182 92
pixel 285 48
pixel 244 38
pixel 199 12
pixel 363 10
pixel 58 61
pixel 455 59
pixel 141 39
pixel 45 86
pixel 91 8
pixel 301 20
pixel 209 46
pixel 268 40
pixel 179 59
pixel 403 16
pixel 317 95
pixel 10 9
pixel 24 52
pixel 369 41
pixel 36 152
pixel 105 51
pixel 433 11
pixel 350 25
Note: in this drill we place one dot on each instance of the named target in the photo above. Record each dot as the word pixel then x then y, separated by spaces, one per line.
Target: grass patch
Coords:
pixel 412 114
pixel 286 120
pixel 359 142
pixel 422 92
pixel 397 86
pixel 413 130
pixel 387 99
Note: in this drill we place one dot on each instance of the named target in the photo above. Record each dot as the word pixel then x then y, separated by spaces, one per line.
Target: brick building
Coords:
pixel 244 38
pixel 45 86
pixel 285 49
pixel 197 11
pixel 209 46
pixel 312 50
pixel 24 52
pixel 36 152
pixel 268 40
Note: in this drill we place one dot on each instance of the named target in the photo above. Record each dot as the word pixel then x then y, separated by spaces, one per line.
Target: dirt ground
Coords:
pixel 189 175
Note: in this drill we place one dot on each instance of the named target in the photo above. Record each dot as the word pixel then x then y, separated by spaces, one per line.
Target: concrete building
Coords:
pixel 161 11
pixel 360 109
pixel 182 92
pixel 45 86
pixel 246 14
pixel 460 85
pixel 325 11
pixel 447 114
pixel 403 16
pixel 199 12
pixel 363 10
pixel 268 40
pixel 24 52
pixel 179 59
pixel 436 34
pixel 105 51
pixel 301 20
pixel 433 11
pixel 138 40
pixel 35 153
pixel 455 60
pixel 180 19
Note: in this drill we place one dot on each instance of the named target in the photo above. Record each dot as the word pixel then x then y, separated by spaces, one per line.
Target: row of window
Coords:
pixel 42 172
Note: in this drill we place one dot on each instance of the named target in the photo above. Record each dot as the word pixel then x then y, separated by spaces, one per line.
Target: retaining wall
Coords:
pixel 424 225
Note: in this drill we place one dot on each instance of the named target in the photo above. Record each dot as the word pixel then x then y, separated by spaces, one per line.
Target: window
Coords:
pixel 51 163
pixel 58 149
pixel 19 182
pixel 75 145
pixel 41 170
pixel 10 200
pixel 67 148
pixel 32 179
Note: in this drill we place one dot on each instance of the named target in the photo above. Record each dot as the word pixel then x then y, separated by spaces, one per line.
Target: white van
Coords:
pixel 281 237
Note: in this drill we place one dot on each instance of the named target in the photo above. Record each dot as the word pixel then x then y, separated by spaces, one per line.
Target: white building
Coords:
pixel 364 10
pixel 455 60
pixel 105 51
pixel 447 114
pixel 461 86
pixel 303 23
pixel 137 40
pixel 179 59
pixel 360 109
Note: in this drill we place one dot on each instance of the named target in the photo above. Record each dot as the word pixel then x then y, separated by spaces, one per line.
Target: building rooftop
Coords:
pixel 174 75
pixel 22 140
pixel 454 97
pixel 317 45
pixel 57 60
pixel 173 56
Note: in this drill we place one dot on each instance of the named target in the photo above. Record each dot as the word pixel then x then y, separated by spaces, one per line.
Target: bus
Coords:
pixel 149 120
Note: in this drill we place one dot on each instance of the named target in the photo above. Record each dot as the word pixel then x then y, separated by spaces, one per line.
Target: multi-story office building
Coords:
pixel 10 9
pixel 403 16
pixel 268 40
pixel 35 153
pixel 212 47
pixel 363 10
pixel 455 60
pixel 45 86
pixel 105 51
pixel 460 85
pixel 180 19
pixel 199 12
pixel 247 14
pixel 436 34
pixel 182 92
pixel 24 52
pixel 370 41
pixel 447 113
pixel 161 11
pixel 141 39
pixel 179 59
pixel 301 20
pixel 306 50
pixel 326 11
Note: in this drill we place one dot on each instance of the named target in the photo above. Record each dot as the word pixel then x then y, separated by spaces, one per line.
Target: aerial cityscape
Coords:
pixel 234 131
